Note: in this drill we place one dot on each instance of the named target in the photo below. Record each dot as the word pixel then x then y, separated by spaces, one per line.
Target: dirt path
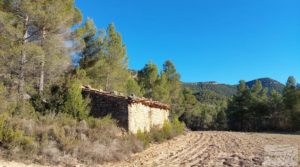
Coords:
pixel 209 149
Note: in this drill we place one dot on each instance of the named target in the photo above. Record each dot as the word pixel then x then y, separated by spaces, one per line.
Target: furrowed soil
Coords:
pixel 201 149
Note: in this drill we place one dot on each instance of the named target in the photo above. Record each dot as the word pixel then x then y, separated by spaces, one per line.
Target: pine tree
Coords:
pixel 75 105
pixel 238 109
pixel 91 41
pixel 291 82
pixel 174 86
pixel 221 120
pixel 241 87
pixel 291 99
pixel 257 87
pixel 132 88
pixel 295 112
pixel 111 69
pixel 160 90
pixel 52 20
pixel 170 71
pixel 289 93
pixel 277 112
pixel 38 37
pixel 147 78
pixel 18 35
pixel 188 103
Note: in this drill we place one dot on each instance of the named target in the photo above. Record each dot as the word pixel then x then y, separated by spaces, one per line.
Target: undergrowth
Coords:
pixel 168 131
pixel 61 139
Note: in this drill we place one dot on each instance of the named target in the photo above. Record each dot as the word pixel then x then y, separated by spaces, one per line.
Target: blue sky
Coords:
pixel 208 40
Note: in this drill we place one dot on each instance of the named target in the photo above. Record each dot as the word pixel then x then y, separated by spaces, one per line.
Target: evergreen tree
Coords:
pixel 295 112
pixel 206 119
pixel 161 90
pixel 91 41
pixel 18 54
pixel 255 110
pixel 38 37
pixel 188 105
pixel 52 20
pixel 241 87
pixel 174 86
pixel 111 69
pixel 238 109
pixel 147 78
pixel 257 87
pixel 289 93
pixel 189 99
pixel 291 99
pixel 132 88
pixel 170 71
pixel 221 120
pixel 278 117
pixel 291 82
pixel 75 105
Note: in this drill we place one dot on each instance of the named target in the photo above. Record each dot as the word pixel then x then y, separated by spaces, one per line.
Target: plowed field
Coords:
pixel 210 149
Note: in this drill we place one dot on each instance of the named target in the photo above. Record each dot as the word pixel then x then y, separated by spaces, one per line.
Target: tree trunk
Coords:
pixel 21 89
pixel 42 74
pixel 107 82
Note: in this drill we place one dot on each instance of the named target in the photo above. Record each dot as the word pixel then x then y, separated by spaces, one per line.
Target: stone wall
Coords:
pixel 103 105
pixel 158 117
pixel 138 118
pixel 142 117
pixel 131 113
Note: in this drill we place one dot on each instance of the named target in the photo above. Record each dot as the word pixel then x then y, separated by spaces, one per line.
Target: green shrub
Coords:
pixel 7 135
pixel 158 135
pixel 178 127
pixel 167 130
pixel 38 104
pixel 66 119
pixel 55 138
pixel 75 104
pixel 28 145
pixel 99 123
pixel 143 137
pixel 11 137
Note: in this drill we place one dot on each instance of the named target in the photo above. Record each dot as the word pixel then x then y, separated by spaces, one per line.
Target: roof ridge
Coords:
pixel 131 99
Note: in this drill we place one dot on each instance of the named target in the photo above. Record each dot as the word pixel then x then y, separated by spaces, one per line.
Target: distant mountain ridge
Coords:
pixel 230 90
pixel 221 89
pixel 269 83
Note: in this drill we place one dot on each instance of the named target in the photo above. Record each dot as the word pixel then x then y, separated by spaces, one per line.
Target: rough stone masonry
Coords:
pixel 132 113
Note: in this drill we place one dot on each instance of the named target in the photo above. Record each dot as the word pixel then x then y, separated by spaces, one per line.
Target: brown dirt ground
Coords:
pixel 201 149
pixel 206 149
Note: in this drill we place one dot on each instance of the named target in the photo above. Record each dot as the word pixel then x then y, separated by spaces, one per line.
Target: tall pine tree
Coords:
pixel 110 71
pixel 91 41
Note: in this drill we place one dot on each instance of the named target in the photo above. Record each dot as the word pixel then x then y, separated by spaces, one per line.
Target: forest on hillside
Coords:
pixel 259 105
pixel 44 117
pixel 250 109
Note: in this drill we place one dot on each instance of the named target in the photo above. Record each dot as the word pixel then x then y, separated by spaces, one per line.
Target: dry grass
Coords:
pixel 61 139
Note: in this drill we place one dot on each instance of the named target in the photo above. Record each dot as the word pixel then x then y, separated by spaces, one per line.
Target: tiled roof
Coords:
pixel 130 99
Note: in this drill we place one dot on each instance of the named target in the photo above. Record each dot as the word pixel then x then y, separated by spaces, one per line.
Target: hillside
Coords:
pixel 206 91
pixel 269 83
pixel 222 89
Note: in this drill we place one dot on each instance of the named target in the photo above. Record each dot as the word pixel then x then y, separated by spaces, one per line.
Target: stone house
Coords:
pixel 132 113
